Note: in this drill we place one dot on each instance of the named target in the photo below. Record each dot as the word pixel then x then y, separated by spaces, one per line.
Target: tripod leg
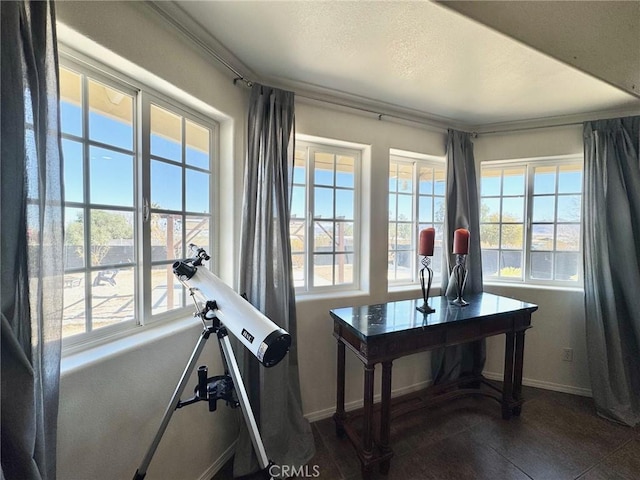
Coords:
pixel 243 398
pixel 142 470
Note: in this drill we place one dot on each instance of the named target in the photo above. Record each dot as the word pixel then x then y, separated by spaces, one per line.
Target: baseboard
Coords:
pixel 556 387
pixel 328 412
pixel 219 463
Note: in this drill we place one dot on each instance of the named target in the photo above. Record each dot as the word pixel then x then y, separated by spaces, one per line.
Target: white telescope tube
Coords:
pixel 264 339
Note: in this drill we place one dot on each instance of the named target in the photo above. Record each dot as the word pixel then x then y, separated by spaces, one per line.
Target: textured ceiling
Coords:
pixel 418 58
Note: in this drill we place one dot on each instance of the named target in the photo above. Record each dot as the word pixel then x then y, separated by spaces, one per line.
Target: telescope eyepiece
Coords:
pixel 183 270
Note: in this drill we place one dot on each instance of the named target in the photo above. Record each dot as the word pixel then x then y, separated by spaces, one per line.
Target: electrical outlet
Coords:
pixel 567 354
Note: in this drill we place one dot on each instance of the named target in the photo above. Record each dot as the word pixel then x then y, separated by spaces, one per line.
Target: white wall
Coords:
pixel 110 407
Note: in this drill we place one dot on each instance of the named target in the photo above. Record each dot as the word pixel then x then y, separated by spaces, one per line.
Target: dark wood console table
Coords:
pixel 382 333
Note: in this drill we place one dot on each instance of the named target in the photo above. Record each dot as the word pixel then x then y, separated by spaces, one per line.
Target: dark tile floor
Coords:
pixel 558 436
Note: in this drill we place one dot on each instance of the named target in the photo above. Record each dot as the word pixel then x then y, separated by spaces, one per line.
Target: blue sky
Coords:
pixel 112 173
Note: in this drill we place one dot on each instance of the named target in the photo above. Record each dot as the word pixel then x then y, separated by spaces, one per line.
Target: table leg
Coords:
pixel 339 415
pixel 367 419
pixel 385 415
pixel 517 371
pixel 507 386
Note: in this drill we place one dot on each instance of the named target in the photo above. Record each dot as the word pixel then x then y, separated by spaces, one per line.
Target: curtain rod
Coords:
pixel 524 129
pixel 437 128
pixel 195 39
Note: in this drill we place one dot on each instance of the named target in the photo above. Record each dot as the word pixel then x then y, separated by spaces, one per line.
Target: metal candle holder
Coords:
pixel 460 276
pixel 425 308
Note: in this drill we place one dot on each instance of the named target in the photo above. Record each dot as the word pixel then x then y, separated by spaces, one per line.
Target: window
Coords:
pixel 137 176
pixel 417 190
pixel 324 217
pixel 530 221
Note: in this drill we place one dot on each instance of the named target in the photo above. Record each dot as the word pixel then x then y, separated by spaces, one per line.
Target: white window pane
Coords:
pixel 197 190
pixel 511 265
pixel 110 116
pixel 299 170
pixel 343 268
pixel 344 204
pixel 74 319
pixel 74 238
pixel 544 180
pixel 322 270
pixel 70 102
pixel 344 237
pixel 393 177
pixel 542 237
pixel 438 209
pixel 323 202
pixel 544 209
pixel 166 134
pixel 297 235
pixel 73 171
pixel 490 262
pixel 112 296
pixel 405 207
pixel 166 291
pixel 393 206
pixel 490 182
pixel 111 237
pixel 567 266
pixel 425 209
pixel 490 236
pixel 568 237
pixel 111 181
pixel 345 171
pixel 405 178
pixel 197 143
pixel 426 180
pixel 298 202
pixel 298 270
pixel 512 236
pixel 570 179
pixel 513 181
pixel 196 231
pixel 166 186
pixel 513 209
pixel 490 210
pixel 439 184
pixel 541 265
pixel 568 208
pixel 166 236
pixel 323 237
pixel 323 174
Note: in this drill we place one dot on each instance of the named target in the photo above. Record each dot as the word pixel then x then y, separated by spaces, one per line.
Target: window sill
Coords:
pixel 108 349
pixel 534 286
pixel 329 294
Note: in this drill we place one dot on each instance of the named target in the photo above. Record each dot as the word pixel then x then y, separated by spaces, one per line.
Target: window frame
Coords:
pixel 317 146
pixel 529 165
pixel 143 96
pixel 416 160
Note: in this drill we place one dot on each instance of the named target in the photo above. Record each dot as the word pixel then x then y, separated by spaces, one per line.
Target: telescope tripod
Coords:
pixel 211 389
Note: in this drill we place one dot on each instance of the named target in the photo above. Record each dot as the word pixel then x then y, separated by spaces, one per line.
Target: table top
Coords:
pixel 370 321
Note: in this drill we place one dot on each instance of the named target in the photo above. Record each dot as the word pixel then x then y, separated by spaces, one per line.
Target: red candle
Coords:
pixel 427 238
pixel 461 241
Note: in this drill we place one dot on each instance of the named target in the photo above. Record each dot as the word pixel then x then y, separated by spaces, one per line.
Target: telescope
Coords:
pixel 264 339
pixel 222 310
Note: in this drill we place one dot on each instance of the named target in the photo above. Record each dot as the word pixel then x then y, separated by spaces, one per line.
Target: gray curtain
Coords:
pixel 31 224
pixel 611 213
pixel 462 211
pixel 266 276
